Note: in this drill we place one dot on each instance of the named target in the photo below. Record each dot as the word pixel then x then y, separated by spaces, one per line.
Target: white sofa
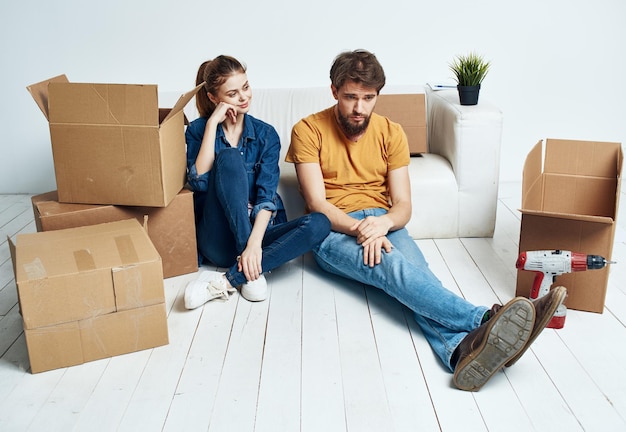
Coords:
pixel 454 187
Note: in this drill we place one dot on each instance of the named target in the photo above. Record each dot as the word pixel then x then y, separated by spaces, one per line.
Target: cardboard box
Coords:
pixel 103 336
pixel 80 273
pixel 410 111
pixel 171 229
pixel 108 144
pixel 571 204
pixel 88 293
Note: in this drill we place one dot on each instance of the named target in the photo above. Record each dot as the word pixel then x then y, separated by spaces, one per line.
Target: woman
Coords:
pixel 232 166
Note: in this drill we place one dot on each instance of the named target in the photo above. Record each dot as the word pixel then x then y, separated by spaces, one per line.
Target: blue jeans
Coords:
pixel 225 225
pixel 444 317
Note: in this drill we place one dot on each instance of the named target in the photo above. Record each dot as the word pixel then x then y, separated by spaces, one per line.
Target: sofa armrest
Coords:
pixel 469 137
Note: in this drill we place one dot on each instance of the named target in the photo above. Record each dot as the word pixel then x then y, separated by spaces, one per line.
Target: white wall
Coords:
pixel 558 65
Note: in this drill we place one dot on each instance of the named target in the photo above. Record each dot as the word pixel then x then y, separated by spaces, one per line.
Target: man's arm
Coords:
pixel 312 186
pixel 372 231
pixel 399 186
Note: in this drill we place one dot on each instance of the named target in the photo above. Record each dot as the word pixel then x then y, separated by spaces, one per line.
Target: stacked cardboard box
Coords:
pixel 90 287
pixel 171 228
pixel 118 155
pixel 109 145
pixel 89 293
pixel 410 111
pixel 571 204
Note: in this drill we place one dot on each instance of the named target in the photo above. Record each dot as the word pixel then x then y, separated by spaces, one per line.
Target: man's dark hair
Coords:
pixel 360 66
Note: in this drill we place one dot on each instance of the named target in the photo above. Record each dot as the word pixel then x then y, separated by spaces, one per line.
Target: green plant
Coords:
pixel 469 70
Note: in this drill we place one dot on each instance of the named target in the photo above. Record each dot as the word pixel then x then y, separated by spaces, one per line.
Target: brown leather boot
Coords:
pixel 486 349
pixel 493 311
pixel 545 307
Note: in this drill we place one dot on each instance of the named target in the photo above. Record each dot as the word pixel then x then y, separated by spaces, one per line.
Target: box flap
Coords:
pixel 182 101
pixel 577 194
pixel 164 112
pixel 12 252
pixel 586 158
pixel 46 196
pixel 103 104
pixel 573 177
pixel 47 204
pixel 568 216
pixel 39 92
pixel 619 180
pixel 532 178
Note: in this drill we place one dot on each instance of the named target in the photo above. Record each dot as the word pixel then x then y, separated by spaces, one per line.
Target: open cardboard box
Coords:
pixel 172 229
pixel 88 293
pixel 409 110
pixel 109 145
pixel 571 204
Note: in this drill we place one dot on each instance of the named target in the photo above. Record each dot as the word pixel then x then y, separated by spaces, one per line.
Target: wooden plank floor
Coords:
pixel 324 354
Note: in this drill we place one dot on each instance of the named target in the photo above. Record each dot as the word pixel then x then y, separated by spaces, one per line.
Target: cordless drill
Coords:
pixel 548 264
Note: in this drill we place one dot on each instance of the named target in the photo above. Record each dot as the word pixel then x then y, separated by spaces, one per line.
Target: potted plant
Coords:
pixel 469 72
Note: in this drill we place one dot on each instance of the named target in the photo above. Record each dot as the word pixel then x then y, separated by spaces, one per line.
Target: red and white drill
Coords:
pixel 548 264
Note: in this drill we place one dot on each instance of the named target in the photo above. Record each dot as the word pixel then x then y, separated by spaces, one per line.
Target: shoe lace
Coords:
pixel 219 289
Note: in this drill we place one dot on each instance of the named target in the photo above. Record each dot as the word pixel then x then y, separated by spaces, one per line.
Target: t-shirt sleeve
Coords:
pixel 398 149
pixel 305 144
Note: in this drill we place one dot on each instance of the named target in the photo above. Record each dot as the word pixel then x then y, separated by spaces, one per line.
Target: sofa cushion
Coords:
pixel 434 193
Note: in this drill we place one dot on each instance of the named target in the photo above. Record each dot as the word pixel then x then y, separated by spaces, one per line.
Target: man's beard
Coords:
pixel 351 129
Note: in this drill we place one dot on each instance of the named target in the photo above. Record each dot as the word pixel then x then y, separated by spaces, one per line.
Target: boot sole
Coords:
pixel 507 336
pixel 559 295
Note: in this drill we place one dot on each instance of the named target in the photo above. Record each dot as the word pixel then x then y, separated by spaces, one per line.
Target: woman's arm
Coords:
pixel 206 155
pixel 264 206
pixel 250 260
pixel 268 173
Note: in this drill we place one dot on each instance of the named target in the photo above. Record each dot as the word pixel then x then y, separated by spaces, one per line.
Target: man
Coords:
pixel 352 165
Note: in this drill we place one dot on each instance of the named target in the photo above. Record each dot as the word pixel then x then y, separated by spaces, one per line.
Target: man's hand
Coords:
pixel 373 251
pixel 371 234
pixel 371 228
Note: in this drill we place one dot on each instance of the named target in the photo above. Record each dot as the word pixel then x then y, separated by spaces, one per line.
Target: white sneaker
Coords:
pixel 208 286
pixel 255 290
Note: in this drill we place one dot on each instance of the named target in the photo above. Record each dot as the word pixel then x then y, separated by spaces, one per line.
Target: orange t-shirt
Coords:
pixel 355 173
